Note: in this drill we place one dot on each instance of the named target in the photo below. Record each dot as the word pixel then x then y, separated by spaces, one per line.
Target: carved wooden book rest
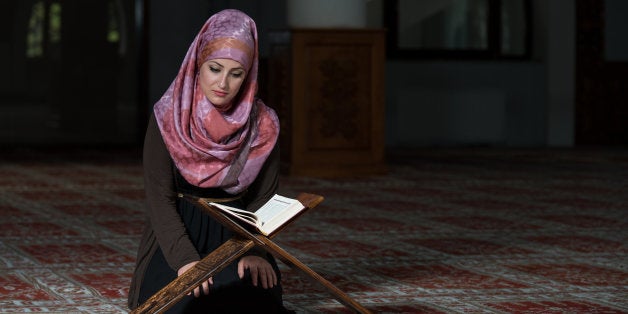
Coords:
pixel 230 251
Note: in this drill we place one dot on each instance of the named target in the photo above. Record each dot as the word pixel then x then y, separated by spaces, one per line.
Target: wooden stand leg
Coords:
pixel 221 257
pixel 203 270
pixel 226 254
pixel 293 262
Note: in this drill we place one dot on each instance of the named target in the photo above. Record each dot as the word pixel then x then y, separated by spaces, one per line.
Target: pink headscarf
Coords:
pixel 211 146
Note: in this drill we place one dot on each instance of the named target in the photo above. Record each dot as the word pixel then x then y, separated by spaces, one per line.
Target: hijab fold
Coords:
pixel 211 146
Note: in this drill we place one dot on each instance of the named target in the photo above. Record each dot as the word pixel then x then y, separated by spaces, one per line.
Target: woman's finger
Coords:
pixel 205 286
pixel 263 277
pixel 272 279
pixel 254 273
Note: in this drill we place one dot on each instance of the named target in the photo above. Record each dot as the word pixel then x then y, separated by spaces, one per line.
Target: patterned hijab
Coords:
pixel 210 146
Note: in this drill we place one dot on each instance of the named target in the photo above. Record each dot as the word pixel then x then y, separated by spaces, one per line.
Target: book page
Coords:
pixel 276 212
pixel 242 214
pixel 273 207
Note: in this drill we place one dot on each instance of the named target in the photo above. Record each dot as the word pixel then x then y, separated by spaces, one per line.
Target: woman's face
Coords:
pixel 220 80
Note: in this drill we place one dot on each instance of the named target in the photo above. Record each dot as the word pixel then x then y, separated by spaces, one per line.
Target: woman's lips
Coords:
pixel 220 93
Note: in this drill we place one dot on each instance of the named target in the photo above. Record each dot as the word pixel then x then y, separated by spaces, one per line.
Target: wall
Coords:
pixel 523 104
pixel 61 95
pixel 465 103
pixel 559 56
pixel 173 25
pixel 616 48
pixel 428 103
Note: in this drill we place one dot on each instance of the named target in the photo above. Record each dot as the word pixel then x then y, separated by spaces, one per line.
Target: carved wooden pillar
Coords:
pixel 328 88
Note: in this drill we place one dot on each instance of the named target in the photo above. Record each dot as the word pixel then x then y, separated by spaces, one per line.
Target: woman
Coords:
pixel 210 137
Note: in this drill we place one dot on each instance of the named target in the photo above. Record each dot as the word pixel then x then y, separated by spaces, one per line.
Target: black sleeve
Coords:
pixel 161 198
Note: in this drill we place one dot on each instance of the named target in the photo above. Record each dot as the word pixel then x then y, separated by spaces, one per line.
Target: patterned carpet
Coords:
pixel 446 231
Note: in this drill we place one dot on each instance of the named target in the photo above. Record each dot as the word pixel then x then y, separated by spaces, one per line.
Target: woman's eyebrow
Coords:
pixel 232 69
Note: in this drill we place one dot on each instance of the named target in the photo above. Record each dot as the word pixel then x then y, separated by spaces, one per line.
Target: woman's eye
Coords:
pixel 213 69
pixel 236 74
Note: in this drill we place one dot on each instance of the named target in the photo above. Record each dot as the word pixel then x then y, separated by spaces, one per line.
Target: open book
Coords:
pixel 268 218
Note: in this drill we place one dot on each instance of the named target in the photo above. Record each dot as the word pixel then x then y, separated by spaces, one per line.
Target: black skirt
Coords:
pixel 229 293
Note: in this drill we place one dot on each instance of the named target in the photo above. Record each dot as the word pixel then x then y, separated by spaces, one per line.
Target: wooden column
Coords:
pixel 328 88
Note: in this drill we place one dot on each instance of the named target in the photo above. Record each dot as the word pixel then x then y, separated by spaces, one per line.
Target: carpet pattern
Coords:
pixel 445 231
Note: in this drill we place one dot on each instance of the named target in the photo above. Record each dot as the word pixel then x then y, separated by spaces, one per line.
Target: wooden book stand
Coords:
pixel 231 250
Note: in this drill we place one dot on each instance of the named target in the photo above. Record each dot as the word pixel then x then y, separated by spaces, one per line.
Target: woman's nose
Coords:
pixel 223 82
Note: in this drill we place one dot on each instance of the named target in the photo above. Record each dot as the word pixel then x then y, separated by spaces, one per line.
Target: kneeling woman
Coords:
pixel 211 137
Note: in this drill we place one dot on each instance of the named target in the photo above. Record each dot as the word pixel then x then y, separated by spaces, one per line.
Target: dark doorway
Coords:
pixel 70 72
pixel 601 74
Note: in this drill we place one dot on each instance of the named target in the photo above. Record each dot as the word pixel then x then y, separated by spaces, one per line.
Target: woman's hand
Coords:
pixel 204 285
pixel 260 269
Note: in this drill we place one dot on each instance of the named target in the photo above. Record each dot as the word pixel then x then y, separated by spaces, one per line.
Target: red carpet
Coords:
pixel 446 231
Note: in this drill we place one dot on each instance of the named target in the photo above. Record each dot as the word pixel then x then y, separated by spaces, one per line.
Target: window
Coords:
pixel 35 35
pixel 491 29
pixel 38 24
pixel 55 22
pixel 113 23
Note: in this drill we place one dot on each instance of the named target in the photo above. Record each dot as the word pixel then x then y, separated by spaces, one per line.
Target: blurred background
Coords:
pixel 500 125
pixel 498 73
